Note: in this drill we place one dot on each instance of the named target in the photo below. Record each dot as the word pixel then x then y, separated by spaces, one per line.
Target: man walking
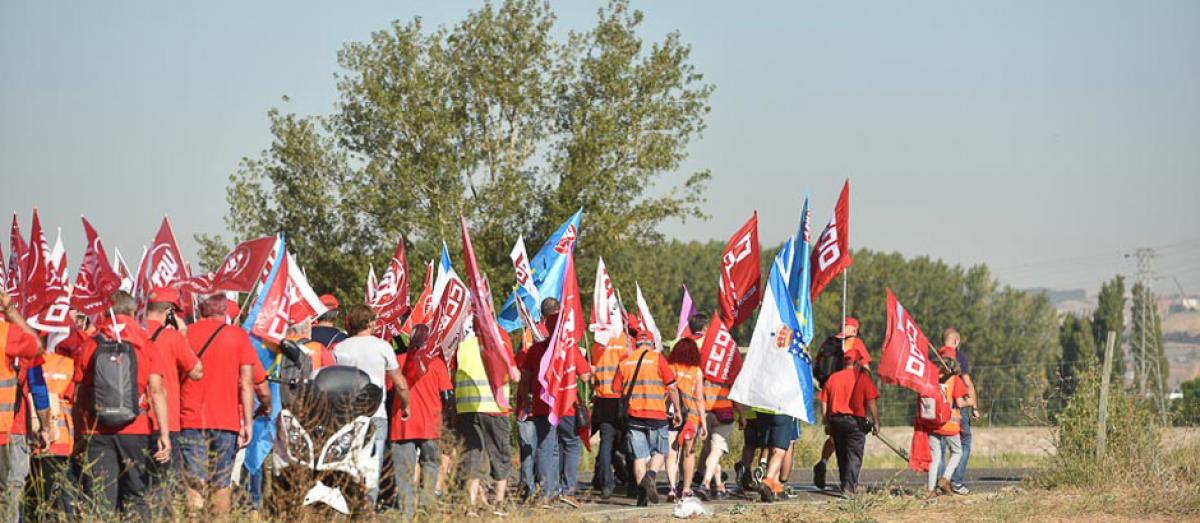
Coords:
pixel 952 349
pixel 651 382
pixel 849 396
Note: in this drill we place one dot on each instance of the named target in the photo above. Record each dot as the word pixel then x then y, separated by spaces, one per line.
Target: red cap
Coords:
pixel 232 310
pixel 165 295
pixel 850 322
pixel 329 301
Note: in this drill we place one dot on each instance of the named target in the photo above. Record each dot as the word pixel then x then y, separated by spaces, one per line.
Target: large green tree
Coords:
pixel 1110 316
pixel 494 119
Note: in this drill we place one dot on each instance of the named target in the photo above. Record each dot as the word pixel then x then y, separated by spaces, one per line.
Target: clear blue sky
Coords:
pixel 1043 138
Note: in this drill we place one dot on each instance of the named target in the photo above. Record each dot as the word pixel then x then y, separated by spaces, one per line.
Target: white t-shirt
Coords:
pixel 370 355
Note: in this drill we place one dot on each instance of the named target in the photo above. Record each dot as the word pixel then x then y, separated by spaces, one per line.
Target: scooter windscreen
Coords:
pixel 337 395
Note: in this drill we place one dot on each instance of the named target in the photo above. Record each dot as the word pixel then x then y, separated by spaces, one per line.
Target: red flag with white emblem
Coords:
pixel 391 294
pixel 740 285
pixel 240 270
pixel 33 271
pixel 96 281
pixel 162 266
pixel 831 254
pixel 557 371
pixel 497 358
pixel 718 352
pixel 905 358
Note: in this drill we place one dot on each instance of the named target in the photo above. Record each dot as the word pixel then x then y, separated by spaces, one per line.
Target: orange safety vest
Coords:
pixel 716 396
pixel 59 371
pixel 953 426
pixel 604 368
pixel 8 384
pixel 686 377
pixel 649 393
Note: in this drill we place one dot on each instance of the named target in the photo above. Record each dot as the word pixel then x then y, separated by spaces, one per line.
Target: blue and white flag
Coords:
pixel 263 438
pixel 800 276
pixel 777 373
pixel 547 269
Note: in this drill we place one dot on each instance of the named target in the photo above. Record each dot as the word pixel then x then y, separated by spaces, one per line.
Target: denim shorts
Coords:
pixel 645 442
pixel 208 456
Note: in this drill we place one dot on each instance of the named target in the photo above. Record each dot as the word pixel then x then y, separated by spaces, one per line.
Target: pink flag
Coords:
pixel 686 311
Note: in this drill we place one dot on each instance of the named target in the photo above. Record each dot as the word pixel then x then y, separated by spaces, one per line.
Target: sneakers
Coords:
pixel 944 487
pixel 720 494
pixel 769 489
pixel 819 475
pixel 570 501
pixel 649 490
pixel 702 493
pixel 606 494
pixel 960 489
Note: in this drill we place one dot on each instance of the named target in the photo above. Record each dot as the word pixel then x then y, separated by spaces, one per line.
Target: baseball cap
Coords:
pixel 165 295
pixel 850 322
pixel 329 301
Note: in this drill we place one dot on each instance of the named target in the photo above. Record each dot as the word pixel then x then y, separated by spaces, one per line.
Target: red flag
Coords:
pixel 17 243
pixel 391 293
pixel 557 371
pixel 905 359
pixel 240 270
pixel 718 351
pixel 740 287
pixel 497 360
pixel 831 254
pixel 3 270
pixel 33 271
pixel 96 280
pixel 303 303
pixel 272 321
pixel 423 309
pixel 52 313
pixel 449 318
pixel 162 266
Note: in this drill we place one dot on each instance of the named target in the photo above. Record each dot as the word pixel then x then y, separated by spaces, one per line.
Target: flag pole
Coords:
pixel 845 277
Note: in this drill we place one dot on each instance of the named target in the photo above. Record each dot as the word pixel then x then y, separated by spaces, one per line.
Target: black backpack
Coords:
pixel 114 383
pixel 829 360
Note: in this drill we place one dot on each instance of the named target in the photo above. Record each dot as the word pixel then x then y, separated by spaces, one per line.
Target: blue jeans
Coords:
pixel 568 455
pixel 208 456
pixel 960 471
pixel 546 457
pixel 604 459
pixel 527 435
pixel 404 462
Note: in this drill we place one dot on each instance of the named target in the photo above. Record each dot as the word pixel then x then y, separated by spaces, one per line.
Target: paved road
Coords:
pixel 979 480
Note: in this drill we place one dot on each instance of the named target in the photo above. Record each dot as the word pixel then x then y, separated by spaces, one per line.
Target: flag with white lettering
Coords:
pixel 905 358
pixel 740 285
pixel 557 372
pixel 718 351
pixel 546 271
pixel 608 319
pixel 831 254
pixel 391 294
pixel 162 266
pixel 95 281
pixel 242 268
pixel 34 296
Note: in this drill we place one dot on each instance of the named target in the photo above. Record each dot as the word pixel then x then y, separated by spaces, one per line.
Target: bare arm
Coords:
pixel 14 317
pixel 673 392
pixel 971 400
pixel 401 386
pixel 873 410
pixel 197 372
pixel 246 396
pixel 158 402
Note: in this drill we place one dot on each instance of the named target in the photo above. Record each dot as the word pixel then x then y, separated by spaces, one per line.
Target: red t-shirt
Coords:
pixel 148 363
pixel 212 402
pixel 665 373
pixel 19 345
pixel 424 404
pixel 858 349
pixel 178 359
pixel 533 365
pixel 847 392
